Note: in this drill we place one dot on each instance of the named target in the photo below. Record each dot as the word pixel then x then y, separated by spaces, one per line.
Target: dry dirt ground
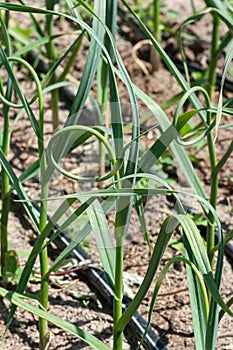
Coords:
pixel 171 318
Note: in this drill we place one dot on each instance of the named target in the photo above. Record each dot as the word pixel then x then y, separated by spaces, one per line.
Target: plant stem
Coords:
pixel 54 105
pixel 118 291
pixel 213 193
pixel 193 7
pixel 210 140
pixel 5 194
pixel 43 324
pixel 213 58
pixel 71 60
pixel 103 77
pixel 51 53
pixel 156 20
pixel 154 56
pixel 120 224
pixel 7 16
pixel 44 288
pixel 4 219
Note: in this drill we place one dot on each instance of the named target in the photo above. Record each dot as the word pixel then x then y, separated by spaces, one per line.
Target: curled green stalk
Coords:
pixel 74 133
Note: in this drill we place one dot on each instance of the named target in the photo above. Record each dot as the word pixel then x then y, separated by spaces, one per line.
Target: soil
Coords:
pixel 72 297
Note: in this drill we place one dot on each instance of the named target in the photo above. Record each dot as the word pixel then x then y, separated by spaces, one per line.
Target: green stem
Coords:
pixel 193 7
pixel 51 53
pixel 118 295
pixel 4 219
pixel 71 60
pixel 44 268
pixel 213 58
pixel 43 324
pixel 49 22
pixel 154 56
pixel 103 76
pixel 210 140
pixel 120 222
pixel 213 194
pixel 161 243
pixel 5 195
pixel 44 289
pixel 7 17
pixel 54 105
pixel 101 161
pixel 156 20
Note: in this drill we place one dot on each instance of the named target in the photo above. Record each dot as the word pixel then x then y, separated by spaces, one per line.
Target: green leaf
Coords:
pixel 103 239
pixel 197 253
pixel 164 236
pixel 107 206
pixel 19 300
pixel 162 275
pixel 196 301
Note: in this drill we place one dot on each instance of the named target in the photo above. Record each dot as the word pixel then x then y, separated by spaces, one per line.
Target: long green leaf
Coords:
pixel 200 258
pixel 19 300
pixel 103 239
pixel 107 205
pixel 196 301
pixel 203 296
pixel 164 236
pixel 92 60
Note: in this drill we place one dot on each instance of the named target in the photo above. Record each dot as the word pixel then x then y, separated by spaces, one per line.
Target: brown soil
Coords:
pixel 171 319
